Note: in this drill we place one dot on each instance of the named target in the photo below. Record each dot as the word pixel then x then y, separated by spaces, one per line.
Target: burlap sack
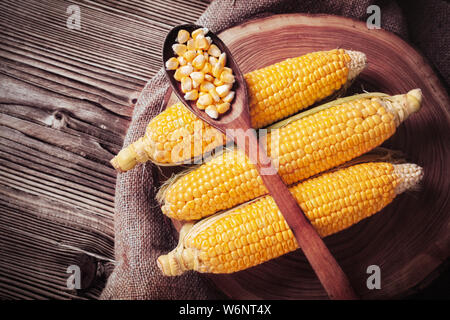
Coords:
pixel 142 232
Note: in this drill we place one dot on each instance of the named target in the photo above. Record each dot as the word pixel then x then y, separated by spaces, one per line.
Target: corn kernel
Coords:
pixel 223 90
pixel 214 51
pixel 186 70
pixel 206 67
pixel 212 112
pixel 214 94
pixel 217 82
pixel 217 69
pixel 190 44
pixel 179 49
pixel 195 84
pixel 183 36
pixel 223 107
pixel 177 75
pixel 212 61
pixel 189 55
pixel 197 76
pixel 205 99
pixel 186 84
pixel 206 86
pixel 229 97
pixel 199 31
pixel 226 77
pixel 172 63
pixel 201 107
pixel 191 95
pixel 181 60
pixel 201 42
pixel 199 62
pixel 223 58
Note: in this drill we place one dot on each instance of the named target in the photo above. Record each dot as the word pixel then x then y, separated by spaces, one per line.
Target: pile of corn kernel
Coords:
pixel 200 67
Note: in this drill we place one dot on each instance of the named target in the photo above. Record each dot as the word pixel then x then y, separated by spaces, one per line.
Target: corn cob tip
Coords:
pixel 124 161
pixel 180 259
pixel 409 175
pixel 357 63
pixel 169 265
pixel 403 105
pixel 115 163
pixel 414 99
pixel 128 157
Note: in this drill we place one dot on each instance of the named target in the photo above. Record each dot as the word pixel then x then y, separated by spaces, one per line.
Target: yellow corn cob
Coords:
pixel 322 138
pixel 257 232
pixel 275 92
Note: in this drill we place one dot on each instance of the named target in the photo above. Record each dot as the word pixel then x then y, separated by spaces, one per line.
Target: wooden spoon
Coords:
pixel 235 124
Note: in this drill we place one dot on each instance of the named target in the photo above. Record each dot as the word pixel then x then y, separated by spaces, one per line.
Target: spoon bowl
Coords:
pixel 239 106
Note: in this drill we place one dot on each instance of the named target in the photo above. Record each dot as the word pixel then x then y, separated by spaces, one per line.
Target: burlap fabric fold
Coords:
pixel 142 233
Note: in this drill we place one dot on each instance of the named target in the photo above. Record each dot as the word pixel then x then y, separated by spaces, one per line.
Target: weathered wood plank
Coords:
pixel 40 172
pixel 112 97
pixel 100 187
pixel 54 156
pixel 20 93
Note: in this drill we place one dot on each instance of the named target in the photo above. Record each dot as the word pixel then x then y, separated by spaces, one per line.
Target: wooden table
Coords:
pixel 66 99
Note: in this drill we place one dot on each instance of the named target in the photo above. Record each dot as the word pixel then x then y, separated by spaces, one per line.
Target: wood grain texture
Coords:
pixel 409 239
pixel 66 99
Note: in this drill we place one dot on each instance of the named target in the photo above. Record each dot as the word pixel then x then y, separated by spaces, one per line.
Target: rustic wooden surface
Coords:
pixel 66 98
pixel 410 239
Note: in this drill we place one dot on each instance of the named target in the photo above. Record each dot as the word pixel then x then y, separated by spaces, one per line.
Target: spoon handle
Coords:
pixel 330 274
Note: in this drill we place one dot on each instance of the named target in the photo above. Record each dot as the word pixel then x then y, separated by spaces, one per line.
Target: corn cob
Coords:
pixel 275 92
pixel 257 232
pixel 322 138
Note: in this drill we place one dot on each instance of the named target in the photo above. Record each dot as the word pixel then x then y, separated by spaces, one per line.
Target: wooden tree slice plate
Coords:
pixel 408 240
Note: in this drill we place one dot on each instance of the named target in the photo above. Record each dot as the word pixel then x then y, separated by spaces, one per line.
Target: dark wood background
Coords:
pixel 66 99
